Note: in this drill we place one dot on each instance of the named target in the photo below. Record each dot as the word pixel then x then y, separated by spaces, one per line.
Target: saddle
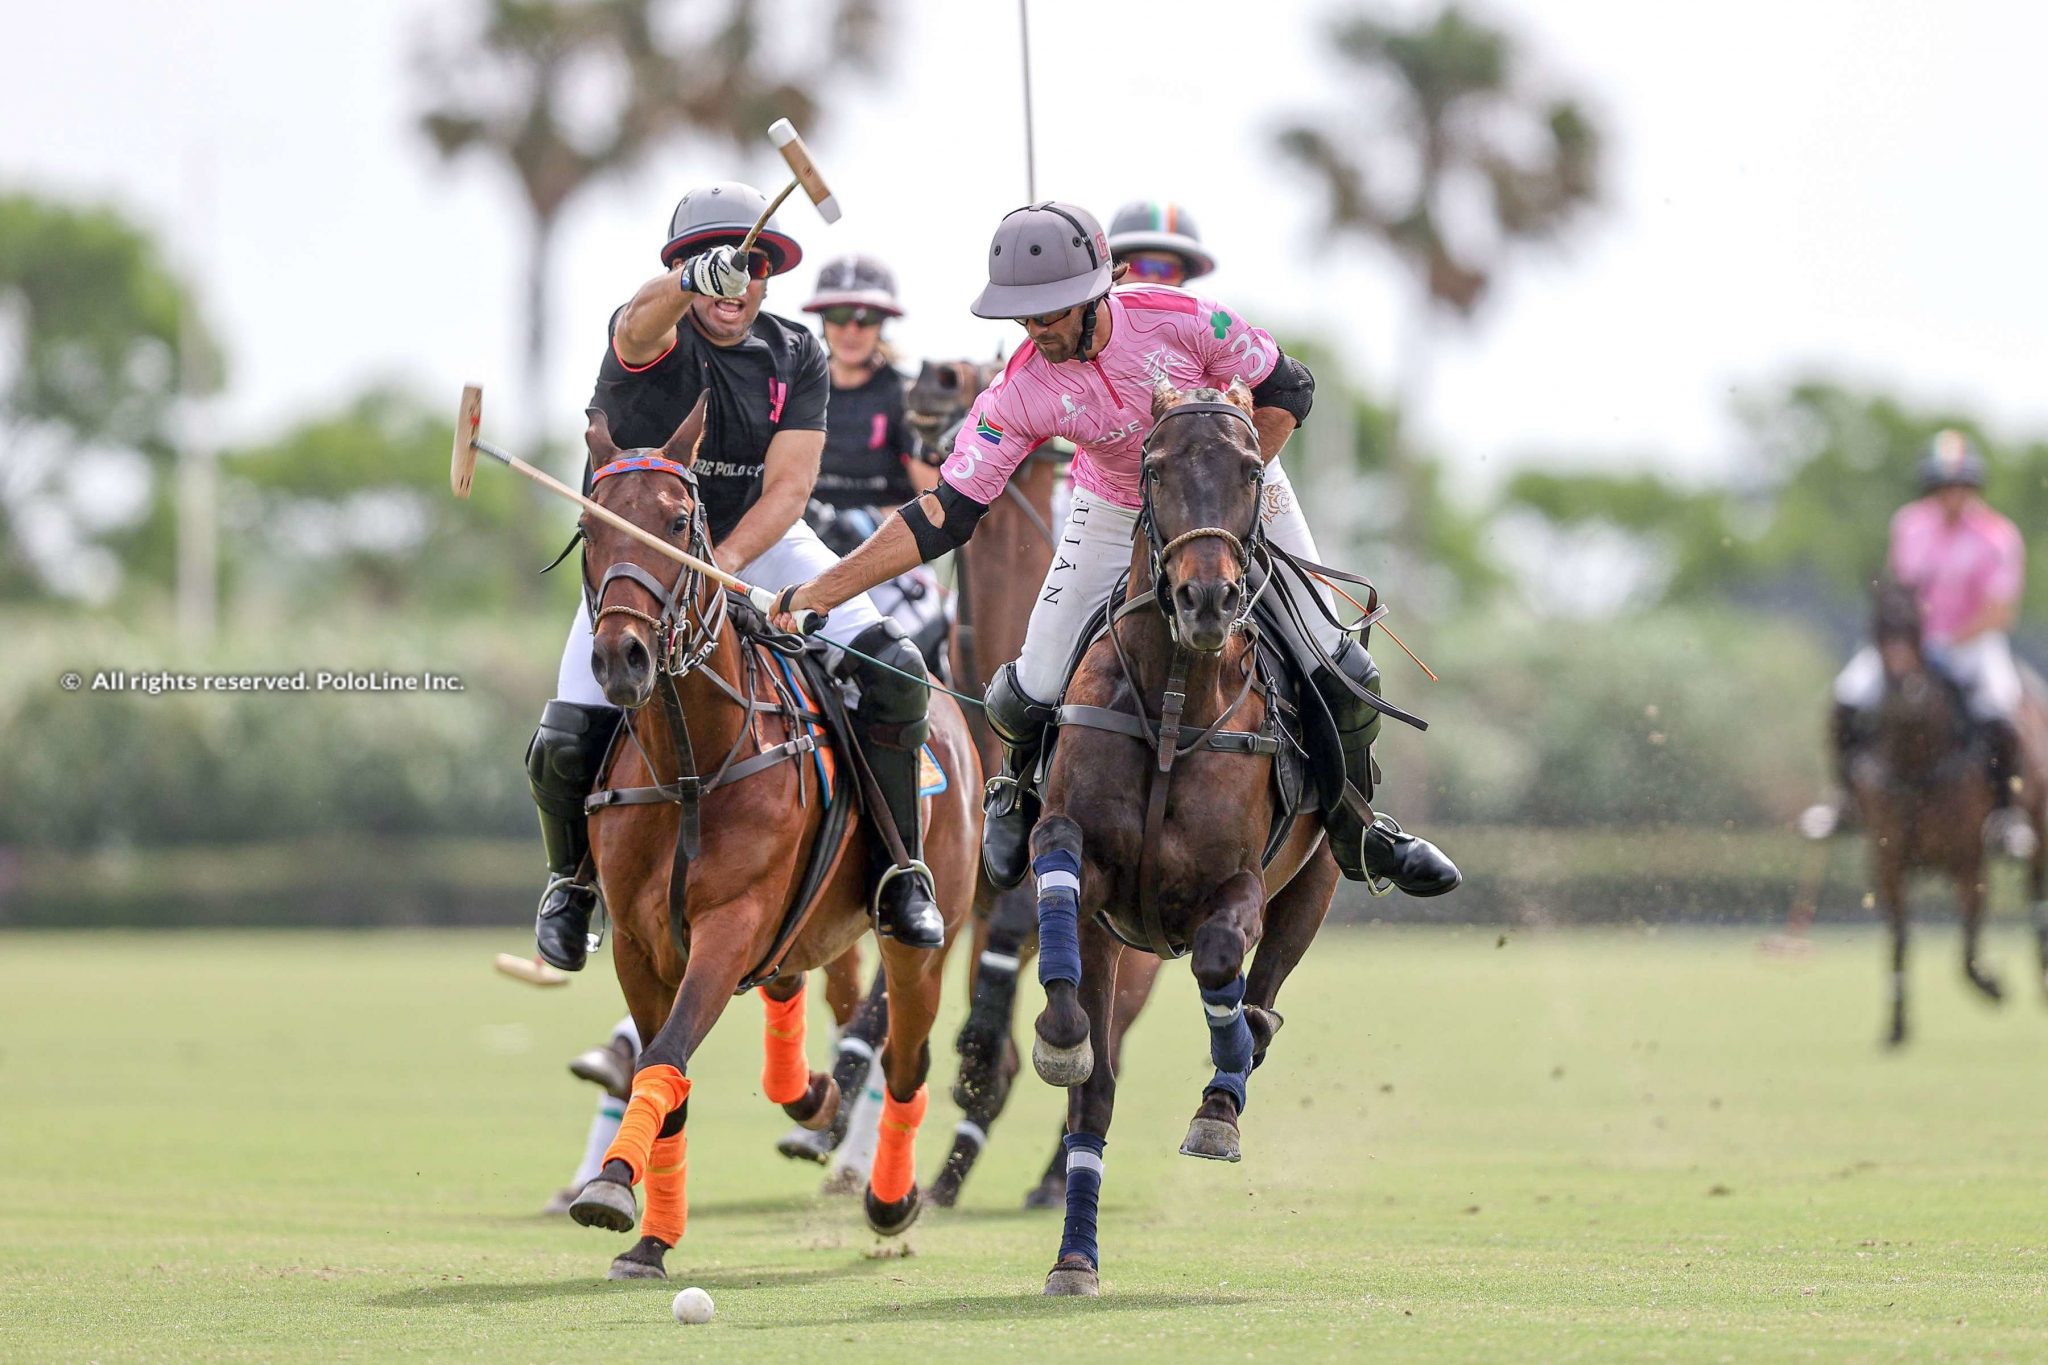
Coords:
pixel 804 703
pixel 1288 734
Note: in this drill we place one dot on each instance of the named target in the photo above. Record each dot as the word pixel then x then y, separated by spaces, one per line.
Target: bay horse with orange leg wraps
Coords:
pixel 1920 786
pixel 1176 819
pixel 996 580
pixel 745 871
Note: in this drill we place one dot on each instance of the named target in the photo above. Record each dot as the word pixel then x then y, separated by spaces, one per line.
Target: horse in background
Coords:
pixel 1920 785
pixel 997 576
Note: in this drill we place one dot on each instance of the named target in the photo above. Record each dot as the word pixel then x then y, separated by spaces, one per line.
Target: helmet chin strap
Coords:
pixel 1087 329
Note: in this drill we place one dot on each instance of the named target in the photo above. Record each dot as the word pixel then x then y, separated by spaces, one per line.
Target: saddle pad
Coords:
pixel 931 778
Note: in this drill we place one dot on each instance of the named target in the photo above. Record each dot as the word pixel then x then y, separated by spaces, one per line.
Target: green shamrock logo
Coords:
pixel 1219 323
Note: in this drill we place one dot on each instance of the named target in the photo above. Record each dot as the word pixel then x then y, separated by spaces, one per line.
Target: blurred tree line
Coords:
pixel 1588 622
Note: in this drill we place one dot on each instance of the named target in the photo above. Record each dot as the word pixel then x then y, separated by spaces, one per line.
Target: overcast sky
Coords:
pixel 1854 186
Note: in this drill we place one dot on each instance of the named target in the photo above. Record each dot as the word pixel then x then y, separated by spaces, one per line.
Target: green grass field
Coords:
pixel 1568 1146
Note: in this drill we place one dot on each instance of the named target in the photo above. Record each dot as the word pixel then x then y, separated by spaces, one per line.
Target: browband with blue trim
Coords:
pixel 647 462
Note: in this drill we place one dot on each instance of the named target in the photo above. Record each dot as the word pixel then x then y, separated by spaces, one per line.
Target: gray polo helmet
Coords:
pixel 1160 225
pixel 1951 461
pixel 857 282
pixel 1044 257
pixel 719 214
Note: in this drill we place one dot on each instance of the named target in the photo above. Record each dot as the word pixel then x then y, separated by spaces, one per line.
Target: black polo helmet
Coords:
pixel 1951 461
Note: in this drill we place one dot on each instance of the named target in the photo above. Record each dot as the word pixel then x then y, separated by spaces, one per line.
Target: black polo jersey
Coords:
pixel 775 380
pixel 867 444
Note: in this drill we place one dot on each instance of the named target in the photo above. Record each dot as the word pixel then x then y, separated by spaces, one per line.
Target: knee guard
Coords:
pixel 563 758
pixel 1017 719
pixel 894 710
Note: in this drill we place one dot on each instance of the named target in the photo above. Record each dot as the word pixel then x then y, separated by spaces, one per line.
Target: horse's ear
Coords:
pixel 682 447
pixel 1164 396
pixel 597 436
pixel 1240 395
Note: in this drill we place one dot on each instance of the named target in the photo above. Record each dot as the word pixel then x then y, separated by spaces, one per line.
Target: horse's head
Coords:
pixel 1921 721
pixel 1202 475
pixel 1895 627
pixel 940 395
pixel 640 601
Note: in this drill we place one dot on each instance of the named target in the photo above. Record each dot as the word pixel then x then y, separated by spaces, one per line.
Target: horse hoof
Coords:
pixel 1990 988
pixel 945 1191
pixel 1065 1067
pixel 643 1262
pixel 606 1204
pixel 1049 1193
pixel 803 1144
pixel 819 1105
pixel 1211 1139
pixel 1264 1024
pixel 890 1219
pixel 1074 1279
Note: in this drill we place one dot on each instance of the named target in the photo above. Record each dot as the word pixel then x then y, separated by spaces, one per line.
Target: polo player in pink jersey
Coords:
pixel 1966 565
pixel 1088 376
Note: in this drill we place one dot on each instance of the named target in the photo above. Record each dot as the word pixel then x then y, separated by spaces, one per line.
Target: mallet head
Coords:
pixel 784 135
pixel 468 417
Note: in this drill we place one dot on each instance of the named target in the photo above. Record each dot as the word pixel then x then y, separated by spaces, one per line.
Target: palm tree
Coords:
pixel 521 89
pixel 1449 119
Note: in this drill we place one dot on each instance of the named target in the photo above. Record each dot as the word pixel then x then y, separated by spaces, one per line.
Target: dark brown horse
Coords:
pixel 663 634
pixel 1921 788
pixel 1159 810
pixel 997 576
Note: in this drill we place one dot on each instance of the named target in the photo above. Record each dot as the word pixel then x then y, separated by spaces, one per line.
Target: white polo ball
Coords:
pixel 692 1307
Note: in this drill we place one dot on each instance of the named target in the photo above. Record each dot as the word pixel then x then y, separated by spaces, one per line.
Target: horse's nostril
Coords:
pixel 636 654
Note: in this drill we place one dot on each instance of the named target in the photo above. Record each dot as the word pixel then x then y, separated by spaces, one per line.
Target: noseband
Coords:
pixel 1245 547
pixel 684 635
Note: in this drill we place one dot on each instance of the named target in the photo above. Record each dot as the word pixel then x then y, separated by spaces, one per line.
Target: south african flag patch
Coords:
pixel 988 431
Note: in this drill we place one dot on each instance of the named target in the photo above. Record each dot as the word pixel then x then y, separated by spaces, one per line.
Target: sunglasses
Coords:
pixel 1165 269
pixel 859 317
pixel 1044 319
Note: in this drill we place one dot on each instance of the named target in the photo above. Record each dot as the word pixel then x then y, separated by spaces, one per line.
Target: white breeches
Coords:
pixel 1095 549
pixel 1984 668
pixel 797 558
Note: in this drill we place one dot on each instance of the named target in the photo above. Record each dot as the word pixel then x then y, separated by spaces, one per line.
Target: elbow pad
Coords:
pixel 961 512
pixel 1288 386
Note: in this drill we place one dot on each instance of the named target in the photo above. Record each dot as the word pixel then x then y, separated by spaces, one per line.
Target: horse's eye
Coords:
pixel 679 525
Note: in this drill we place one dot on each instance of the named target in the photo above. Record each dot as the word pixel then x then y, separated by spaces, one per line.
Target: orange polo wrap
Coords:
pixel 894 1173
pixel 658 1091
pixel 668 1204
pixel 785 1075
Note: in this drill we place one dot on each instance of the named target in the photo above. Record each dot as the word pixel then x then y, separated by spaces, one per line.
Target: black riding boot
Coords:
pixel 1371 848
pixel 562 762
pixel 890 724
pixel 1010 801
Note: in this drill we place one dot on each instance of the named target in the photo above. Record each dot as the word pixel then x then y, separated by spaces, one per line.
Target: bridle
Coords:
pixel 1248 547
pixel 686 632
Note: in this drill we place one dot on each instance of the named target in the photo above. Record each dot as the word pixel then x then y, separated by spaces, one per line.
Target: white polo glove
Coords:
pixel 720 273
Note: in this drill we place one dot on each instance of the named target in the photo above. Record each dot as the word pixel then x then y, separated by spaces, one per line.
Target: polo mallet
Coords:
pixel 532 970
pixel 462 469
pixel 802 172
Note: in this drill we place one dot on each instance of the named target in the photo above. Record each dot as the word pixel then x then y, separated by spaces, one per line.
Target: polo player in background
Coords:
pixel 1966 565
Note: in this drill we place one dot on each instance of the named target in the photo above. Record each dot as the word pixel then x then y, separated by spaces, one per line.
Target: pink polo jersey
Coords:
pixel 1957 568
pixel 1104 405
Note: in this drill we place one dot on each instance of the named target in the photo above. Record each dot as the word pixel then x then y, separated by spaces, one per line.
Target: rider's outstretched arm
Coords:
pixel 921 530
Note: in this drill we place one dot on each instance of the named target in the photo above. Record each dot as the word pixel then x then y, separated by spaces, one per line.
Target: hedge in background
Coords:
pixel 92 769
